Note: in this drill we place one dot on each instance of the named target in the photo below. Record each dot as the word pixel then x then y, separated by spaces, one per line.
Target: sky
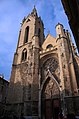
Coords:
pixel 11 14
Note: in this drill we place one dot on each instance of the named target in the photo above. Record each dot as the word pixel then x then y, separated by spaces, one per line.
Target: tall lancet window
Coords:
pixel 39 35
pixel 24 55
pixel 26 34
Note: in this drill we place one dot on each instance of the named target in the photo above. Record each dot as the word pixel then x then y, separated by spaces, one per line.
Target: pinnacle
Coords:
pixel 34 12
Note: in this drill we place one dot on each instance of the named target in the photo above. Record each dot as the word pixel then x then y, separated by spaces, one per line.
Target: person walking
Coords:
pixel 60 116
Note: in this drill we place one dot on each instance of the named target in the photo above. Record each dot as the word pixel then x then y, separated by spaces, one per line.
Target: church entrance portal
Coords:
pixel 50 105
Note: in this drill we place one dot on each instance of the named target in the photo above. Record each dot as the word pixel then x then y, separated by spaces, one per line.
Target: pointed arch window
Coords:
pixel 24 55
pixel 26 34
pixel 39 35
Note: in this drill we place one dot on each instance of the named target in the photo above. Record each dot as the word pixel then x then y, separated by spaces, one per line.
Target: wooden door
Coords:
pixel 56 108
pixel 48 109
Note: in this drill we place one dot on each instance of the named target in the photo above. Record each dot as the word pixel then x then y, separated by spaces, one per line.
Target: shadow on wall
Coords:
pixel 20 100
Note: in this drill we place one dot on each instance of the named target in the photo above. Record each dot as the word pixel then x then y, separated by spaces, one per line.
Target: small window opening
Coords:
pixel 59 35
pixel 49 46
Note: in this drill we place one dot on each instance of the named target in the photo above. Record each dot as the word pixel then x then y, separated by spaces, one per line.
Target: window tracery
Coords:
pixel 51 64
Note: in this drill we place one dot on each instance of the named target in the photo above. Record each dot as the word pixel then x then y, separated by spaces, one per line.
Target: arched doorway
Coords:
pixel 50 99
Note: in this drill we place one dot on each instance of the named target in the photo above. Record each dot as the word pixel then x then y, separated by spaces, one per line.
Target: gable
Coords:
pixel 49 42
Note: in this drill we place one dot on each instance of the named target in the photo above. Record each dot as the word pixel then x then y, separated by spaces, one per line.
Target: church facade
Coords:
pixel 45 72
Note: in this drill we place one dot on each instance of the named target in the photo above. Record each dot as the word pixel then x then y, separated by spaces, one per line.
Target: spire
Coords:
pixel 34 12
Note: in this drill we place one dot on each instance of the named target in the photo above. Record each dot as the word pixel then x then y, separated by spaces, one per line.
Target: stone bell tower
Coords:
pixel 23 91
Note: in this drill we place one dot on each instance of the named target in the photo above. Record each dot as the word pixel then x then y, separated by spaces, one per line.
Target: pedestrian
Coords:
pixel 60 116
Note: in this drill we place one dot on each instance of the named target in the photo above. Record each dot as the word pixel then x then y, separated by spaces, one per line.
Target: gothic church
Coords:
pixel 45 72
